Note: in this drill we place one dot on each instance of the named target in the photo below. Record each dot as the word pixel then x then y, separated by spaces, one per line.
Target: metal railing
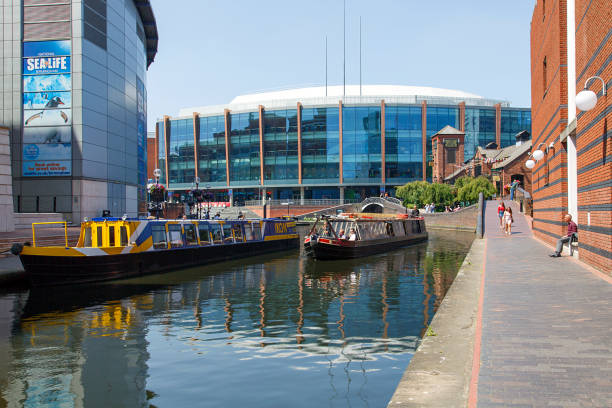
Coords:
pixel 47 223
pixel 525 201
pixel 306 202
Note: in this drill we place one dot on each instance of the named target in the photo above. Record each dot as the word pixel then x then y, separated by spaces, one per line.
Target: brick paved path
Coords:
pixel 546 325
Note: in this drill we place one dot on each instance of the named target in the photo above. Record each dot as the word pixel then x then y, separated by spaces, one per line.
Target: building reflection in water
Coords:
pixel 115 344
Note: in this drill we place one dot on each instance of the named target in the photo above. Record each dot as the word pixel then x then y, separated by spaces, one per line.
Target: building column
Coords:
pixel 498 125
pixel 299 142
pixel 166 143
pixel 340 137
pixel 226 115
pixel 424 137
pixel 572 156
pixel 341 195
pixel 382 143
pixel 196 142
pixel 156 150
pixel 462 116
pixel 261 145
pixel 302 194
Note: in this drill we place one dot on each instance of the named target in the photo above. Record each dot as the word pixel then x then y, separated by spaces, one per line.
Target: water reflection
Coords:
pixel 280 330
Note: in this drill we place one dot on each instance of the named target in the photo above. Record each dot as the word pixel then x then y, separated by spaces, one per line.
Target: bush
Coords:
pixel 469 189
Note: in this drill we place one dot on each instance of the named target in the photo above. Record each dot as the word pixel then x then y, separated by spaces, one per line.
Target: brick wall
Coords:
pixel 549 116
pixel 517 166
pixel 442 167
pixel 593 131
pixel 464 219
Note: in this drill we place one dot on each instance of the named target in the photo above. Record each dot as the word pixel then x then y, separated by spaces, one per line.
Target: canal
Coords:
pixel 272 331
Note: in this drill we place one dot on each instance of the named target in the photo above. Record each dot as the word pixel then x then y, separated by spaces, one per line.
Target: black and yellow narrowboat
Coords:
pixel 113 248
pixel 355 235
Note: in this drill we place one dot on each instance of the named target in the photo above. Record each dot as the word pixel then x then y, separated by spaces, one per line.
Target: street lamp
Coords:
pixel 587 99
pixel 157 175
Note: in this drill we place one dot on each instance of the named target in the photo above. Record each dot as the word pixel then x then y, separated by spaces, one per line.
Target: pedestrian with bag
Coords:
pixel 508 220
pixel 501 208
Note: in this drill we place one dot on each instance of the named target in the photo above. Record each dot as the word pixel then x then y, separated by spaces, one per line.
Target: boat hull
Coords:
pixel 59 270
pixel 356 249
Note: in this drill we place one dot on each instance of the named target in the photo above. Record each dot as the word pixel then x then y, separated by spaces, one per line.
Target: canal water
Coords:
pixel 279 330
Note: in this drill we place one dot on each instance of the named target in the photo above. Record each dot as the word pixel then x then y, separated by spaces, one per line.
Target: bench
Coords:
pixel 572 245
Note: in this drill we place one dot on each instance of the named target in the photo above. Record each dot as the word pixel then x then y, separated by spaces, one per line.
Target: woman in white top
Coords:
pixel 508 220
pixel 352 235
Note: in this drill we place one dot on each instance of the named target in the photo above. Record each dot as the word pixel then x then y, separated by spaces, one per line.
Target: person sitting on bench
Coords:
pixel 572 230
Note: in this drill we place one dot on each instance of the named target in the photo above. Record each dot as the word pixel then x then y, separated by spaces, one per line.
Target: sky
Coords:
pixel 213 50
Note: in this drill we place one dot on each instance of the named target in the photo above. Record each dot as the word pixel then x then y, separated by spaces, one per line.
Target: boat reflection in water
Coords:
pixel 276 330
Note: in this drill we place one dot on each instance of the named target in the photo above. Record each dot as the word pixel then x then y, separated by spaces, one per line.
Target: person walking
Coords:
pixel 501 208
pixel 508 220
pixel 572 230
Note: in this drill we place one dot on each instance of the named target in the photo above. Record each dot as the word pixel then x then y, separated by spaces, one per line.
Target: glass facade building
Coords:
pixel 75 100
pixel 324 148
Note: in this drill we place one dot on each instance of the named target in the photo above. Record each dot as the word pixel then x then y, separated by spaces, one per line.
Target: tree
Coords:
pixel 469 190
pixel 420 193
pixel 413 193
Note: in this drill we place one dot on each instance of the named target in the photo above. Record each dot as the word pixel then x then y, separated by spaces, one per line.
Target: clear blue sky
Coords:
pixel 212 50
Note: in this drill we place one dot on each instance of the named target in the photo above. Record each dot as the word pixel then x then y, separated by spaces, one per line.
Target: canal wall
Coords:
pixel 439 373
pixel 464 219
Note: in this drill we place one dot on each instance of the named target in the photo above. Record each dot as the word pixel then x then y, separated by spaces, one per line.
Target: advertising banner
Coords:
pixel 47 113
pixel 39 83
pixel 46 65
pixel 55 134
pixel 55 151
pixel 41 168
pixel 46 48
pixel 47 117
pixel 47 100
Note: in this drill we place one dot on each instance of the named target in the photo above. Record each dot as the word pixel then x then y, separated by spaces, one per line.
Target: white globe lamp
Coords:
pixel 530 164
pixel 586 100
pixel 538 155
pixel 157 173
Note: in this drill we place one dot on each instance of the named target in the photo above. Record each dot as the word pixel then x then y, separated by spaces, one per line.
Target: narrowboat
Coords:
pixel 357 235
pixel 113 248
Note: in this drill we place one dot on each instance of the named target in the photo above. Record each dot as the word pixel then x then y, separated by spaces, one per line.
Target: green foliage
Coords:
pixel 420 193
pixel 468 192
pixel 462 181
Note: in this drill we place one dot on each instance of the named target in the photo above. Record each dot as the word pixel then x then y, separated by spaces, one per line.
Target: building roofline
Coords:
pixel 150 28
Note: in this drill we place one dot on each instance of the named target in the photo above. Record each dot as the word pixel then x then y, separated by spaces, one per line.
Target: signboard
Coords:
pixel 47 109
pixel 451 142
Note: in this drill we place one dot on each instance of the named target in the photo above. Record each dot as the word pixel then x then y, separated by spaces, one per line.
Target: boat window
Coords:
pixel 158 233
pixel 237 228
pixel 99 243
pixel 176 238
pixel 123 235
pixel 407 229
pixel 389 229
pixel 190 234
pixel 416 226
pixel 87 237
pixel 227 233
pixel 111 236
pixel 215 230
pixel 248 231
pixel 398 228
pixel 256 231
pixel 203 231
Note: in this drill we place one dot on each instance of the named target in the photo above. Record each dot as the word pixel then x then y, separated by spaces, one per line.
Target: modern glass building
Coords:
pixel 74 98
pixel 316 143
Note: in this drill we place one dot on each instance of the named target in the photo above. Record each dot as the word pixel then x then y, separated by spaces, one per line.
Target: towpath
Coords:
pixel 546 338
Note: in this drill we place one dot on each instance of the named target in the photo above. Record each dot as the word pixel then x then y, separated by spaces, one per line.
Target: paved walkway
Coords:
pixel 546 325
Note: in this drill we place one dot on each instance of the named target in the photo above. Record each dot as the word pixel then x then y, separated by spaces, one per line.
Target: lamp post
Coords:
pixel 587 99
pixel 155 196
pixel 197 195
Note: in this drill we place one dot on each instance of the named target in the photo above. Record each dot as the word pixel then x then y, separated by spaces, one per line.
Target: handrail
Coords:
pixel 46 223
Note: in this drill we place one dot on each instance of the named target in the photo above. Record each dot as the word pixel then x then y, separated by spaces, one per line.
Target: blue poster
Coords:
pixel 46 48
pixel 46 65
pixel 47 100
pixel 40 168
pixel 38 83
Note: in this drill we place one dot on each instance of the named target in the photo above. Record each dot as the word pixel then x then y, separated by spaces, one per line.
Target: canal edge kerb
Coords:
pixel 440 371
pixel 473 393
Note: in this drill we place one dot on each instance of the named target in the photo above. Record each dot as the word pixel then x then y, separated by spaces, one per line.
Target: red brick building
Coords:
pixel 571 41
pixel 447 151
pixel 150 155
